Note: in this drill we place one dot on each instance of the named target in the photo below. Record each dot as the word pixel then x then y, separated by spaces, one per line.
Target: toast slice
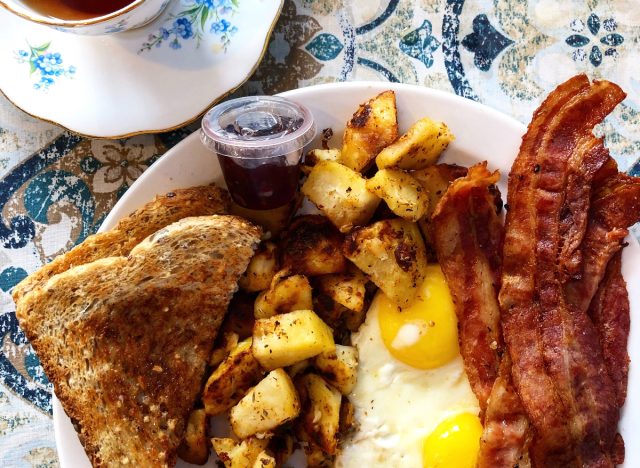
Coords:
pixel 130 231
pixel 125 340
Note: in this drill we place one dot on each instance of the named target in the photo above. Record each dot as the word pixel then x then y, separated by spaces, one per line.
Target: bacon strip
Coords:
pixel 609 311
pixel 558 368
pixel 468 237
pixel 583 166
pixel 507 432
pixel 615 206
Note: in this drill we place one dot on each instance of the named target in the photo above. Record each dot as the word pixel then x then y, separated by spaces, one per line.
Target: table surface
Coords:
pixel 56 187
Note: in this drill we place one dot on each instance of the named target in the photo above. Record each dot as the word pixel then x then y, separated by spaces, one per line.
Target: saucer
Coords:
pixel 152 79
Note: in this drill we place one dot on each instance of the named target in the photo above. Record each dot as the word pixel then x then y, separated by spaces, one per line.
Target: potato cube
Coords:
pixel 225 344
pixel 283 340
pixel 264 460
pixel 320 412
pixel 339 367
pixel 314 156
pixel 340 194
pixel 232 379
pixel 420 147
pixel 262 268
pixel 316 456
pixel 272 402
pixel 286 293
pixel 347 289
pixel 372 127
pixel 404 195
pixel 342 300
pixel 224 445
pixel 194 448
pixel 347 416
pixel 328 310
pixel 393 254
pixel 239 454
pixel 313 246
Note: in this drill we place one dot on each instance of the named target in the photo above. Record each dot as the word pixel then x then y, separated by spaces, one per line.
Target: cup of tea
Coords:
pixel 90 17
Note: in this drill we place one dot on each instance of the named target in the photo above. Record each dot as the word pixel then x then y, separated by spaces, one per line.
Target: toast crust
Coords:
pixel 125 340
pixel 131 230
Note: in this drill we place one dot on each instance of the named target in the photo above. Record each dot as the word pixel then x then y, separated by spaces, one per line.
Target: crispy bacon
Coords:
pixel 507 432
pixel 609 311
pixel 615 206
pixel 583 166
pixel 558 368
pixel 468 241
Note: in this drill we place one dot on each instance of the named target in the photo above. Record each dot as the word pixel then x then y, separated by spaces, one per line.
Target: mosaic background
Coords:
pixel 56 188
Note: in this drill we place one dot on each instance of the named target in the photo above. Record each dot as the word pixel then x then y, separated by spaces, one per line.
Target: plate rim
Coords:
pixel 200 113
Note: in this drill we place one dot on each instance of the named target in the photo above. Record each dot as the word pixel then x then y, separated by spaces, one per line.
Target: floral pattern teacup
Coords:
pixel 135 14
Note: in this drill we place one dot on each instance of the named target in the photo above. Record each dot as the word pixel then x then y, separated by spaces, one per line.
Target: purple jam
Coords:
pixel 263 187
pixel 259 142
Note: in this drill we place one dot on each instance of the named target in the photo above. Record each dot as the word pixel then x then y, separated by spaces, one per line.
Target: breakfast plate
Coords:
pixel 146 80
pixel 481 134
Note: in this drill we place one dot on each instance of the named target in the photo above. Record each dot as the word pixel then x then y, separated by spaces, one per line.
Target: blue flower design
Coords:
pixel 221 26
pixel 44 66
pixel 182 27
pixel 581 41
pixel 192 22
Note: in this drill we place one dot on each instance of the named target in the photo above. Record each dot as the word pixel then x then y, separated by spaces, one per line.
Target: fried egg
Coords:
pixel 413 403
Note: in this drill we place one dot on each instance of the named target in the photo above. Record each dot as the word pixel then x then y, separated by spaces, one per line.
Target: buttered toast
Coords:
pixel 125 340
pixel 160 212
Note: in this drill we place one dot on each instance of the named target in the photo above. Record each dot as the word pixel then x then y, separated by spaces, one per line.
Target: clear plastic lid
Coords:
pixel 257 127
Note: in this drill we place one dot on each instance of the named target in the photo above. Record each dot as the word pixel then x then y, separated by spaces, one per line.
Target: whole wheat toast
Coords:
pixel 160 212
pixel 125 340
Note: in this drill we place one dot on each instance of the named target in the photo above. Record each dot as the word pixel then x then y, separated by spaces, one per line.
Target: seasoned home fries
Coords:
pixel 312 373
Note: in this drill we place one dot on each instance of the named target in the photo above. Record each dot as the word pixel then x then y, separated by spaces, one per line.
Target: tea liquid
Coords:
pixel 76 9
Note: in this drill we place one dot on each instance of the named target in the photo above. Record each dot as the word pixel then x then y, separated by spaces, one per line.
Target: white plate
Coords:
pixel 114 86
pixel 481 134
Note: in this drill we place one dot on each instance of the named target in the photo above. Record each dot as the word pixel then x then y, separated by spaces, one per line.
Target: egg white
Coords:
pixel 396 405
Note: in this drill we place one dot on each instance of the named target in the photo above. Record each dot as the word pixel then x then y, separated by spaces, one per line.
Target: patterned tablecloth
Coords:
pixel 56 187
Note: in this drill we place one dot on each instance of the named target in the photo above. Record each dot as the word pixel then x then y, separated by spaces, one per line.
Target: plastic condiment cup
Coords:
pixel 259 142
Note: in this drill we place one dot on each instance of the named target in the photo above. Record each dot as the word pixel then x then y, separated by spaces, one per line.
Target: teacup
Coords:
pixel 77 17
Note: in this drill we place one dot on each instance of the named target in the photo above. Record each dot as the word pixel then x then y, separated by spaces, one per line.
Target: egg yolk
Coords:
pixel 454 443
pixel 424 334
